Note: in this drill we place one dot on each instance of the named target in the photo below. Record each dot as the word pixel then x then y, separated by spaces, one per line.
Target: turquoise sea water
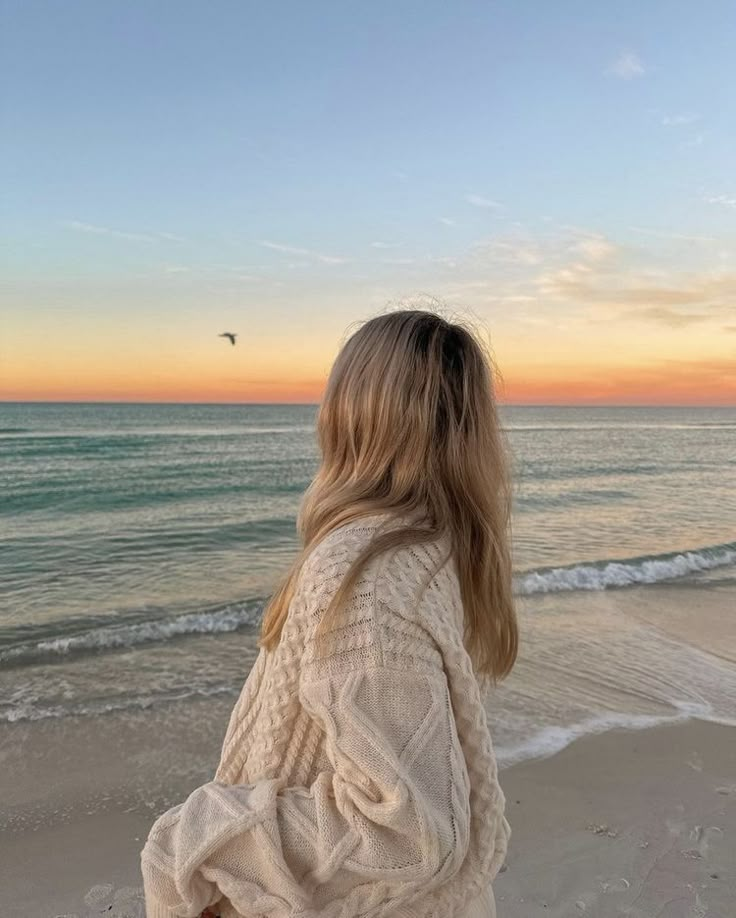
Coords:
pixel 138 541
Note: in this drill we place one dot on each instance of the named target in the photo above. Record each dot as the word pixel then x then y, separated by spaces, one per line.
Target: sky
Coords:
pixel 561 176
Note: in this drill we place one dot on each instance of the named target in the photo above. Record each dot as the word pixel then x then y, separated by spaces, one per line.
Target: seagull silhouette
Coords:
pixel 230 335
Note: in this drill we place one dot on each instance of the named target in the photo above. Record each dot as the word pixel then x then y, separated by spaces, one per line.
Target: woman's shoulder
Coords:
pixel 342 544
pixel 414 562
pixel 414 584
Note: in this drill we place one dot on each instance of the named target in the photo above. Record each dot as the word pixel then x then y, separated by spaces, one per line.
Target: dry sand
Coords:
pixel 640 823
pixel 636 823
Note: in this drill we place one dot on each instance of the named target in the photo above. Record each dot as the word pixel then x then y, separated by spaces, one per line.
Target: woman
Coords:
pixel 357 775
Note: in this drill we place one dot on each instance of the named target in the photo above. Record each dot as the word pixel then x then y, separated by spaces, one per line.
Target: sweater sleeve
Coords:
pixel 387 815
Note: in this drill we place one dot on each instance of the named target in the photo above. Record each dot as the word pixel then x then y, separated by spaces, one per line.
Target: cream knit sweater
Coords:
pixel 359 785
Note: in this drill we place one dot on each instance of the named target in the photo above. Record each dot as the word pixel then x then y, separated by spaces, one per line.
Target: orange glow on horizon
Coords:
pixel 637 386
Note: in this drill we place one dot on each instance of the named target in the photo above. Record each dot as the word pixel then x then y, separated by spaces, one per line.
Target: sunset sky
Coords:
pixel 560 174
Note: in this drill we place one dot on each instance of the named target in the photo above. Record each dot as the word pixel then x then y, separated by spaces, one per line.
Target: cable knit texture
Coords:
pixel 360 784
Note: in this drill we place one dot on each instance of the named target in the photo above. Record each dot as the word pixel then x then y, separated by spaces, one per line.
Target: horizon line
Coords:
pixel 316 404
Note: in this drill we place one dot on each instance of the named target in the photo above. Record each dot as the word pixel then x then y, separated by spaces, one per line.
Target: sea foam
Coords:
pixel 111 637
pixel 603 575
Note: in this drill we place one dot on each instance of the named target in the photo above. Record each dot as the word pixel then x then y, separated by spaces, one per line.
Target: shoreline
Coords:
pixel 620 822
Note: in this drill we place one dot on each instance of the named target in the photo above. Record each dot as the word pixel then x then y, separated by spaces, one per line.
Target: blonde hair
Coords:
pixel 408 422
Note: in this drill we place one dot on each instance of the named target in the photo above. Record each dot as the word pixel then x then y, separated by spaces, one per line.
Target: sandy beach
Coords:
pixel 629 822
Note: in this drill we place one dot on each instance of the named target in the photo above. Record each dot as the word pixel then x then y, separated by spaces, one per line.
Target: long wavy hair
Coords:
pixel 408 422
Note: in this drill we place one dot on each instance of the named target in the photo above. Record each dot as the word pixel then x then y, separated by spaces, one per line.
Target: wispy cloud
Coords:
pixel 679 237
pixel 594 248
pixel 307 253
pixel 106 231
pixel 240 269
pixel 81 227
pixel 447 221
pixel 723 200
pixel 679 119
pixel 627 66
pixel 588 284
pixel 591 252
pixel 385 245
pixel 507 251
pixel 597 277
pixel 662 315
pixel 478 200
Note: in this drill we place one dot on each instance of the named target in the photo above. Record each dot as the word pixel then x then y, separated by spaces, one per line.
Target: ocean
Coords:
pixel 138 543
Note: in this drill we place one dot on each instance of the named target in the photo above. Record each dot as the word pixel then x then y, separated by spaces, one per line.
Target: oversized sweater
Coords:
pixel 360 783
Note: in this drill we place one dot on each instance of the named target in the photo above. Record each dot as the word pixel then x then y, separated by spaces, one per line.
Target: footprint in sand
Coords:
pixel 620 884
pixel 99 896
pixel 702 837
pixel 125 902
pixel 674 827
pixel 602 830
pixel 589 898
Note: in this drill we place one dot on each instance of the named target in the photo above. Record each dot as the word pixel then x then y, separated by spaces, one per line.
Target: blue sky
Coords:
pixel 293 165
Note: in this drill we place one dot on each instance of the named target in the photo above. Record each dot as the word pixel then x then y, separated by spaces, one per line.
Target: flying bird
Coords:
pixel 230 335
